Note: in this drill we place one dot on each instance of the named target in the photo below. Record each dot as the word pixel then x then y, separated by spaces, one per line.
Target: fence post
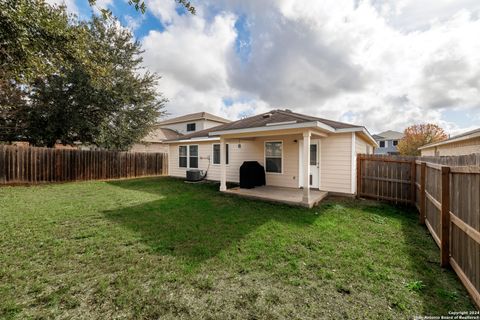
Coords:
pixel 445 222
pixel 413 177
pixel 423 174
pixel 359 175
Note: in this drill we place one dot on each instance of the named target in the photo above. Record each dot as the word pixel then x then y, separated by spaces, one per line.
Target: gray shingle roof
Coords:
pixel 261 120
pixel 388 135
pixel 195 116
pixel 161 134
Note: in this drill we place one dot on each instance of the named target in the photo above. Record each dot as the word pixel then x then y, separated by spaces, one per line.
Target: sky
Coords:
pixel 384 64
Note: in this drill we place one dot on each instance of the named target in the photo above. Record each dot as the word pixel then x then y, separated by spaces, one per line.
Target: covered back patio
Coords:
pixel 291 158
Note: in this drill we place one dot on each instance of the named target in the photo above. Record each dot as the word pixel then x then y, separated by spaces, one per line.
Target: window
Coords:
pixel 395 142
pixel 273 157
pixel 191 126
pixel 188 156
pixel 193 156
pixel 226 153
pixel 216 153
pixel 382 144
pixel 182 156
pixel 313 154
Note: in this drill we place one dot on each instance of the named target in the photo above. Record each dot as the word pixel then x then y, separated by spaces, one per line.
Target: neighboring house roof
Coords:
pixel 193 117
pixel 461 137
pixel 161 134
pixel 388 135
pixel 272 119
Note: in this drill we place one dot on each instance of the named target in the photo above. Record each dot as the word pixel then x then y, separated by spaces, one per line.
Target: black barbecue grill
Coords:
pixel 252 174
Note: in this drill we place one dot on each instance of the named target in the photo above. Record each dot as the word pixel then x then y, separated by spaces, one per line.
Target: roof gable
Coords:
pixel 388 135
pixel 193 117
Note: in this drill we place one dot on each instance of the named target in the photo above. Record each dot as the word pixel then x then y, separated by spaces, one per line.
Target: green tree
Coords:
pixel 140 5
pixel 109 101
pixel 35 39
pixel 419 135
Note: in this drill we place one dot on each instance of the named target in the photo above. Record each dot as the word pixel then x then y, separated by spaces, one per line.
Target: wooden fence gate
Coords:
pixel 447 196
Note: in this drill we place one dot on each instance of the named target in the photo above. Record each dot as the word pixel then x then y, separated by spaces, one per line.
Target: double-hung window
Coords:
pixel 273 156
pixel 382 144
pixel 182 157
pixel 193 156
pixel 188 156
pixel 216 153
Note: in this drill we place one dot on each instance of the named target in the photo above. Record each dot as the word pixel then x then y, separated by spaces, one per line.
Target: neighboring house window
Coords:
pixel 395 143
pixel 216 153
pixel 273 157
pixel 188 156
pixel 182 156
pixel 191 126
pixel 382 144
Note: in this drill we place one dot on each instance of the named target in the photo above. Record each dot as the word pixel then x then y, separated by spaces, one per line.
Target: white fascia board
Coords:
pixel 451 140
pixel 194 140
pixel 359 129
pixel 313 124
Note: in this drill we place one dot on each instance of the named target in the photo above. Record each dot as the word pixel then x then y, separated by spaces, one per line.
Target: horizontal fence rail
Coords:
pixel 446 192
pixel 31 165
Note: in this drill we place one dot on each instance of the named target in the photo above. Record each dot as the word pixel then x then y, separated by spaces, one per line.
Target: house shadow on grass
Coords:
pixel 438 289
pixel 195 221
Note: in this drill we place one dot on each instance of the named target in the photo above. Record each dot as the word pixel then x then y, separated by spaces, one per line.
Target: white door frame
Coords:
pixel 300 161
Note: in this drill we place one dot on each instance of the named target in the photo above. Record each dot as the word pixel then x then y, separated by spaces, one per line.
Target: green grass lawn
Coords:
pixel 160 248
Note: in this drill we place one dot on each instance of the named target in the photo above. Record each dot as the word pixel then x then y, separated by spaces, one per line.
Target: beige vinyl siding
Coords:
pixel 335 159
pixel 455 148
pixel 199 125
pixel 204 150
pixel 336 163
pixel 428 152
pixel 149 147
pixel 289 175
pixel 250 150
pixel 362 146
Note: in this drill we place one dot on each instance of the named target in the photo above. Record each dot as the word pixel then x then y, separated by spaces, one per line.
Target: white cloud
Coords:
pixel 384 64
pixel 70 4
pixel 192 55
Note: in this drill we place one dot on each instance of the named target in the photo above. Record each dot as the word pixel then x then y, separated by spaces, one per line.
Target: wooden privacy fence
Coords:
pixel 447 195
pixel 32 165
pixel 386 178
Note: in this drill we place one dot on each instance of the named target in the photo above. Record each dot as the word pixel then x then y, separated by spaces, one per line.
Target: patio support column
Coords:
pixel 306 166
pixel 223 166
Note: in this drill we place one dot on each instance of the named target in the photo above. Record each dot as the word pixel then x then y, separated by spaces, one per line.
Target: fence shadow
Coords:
pixel 196 223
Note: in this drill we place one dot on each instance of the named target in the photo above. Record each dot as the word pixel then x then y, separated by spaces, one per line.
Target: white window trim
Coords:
pixel 265 156
pixel 227 146
pixel 188 155
pixel 385 145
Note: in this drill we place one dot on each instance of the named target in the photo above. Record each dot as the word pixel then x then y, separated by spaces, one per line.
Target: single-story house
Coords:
pixel 174 128
pixel 299 152
pixel 466 143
